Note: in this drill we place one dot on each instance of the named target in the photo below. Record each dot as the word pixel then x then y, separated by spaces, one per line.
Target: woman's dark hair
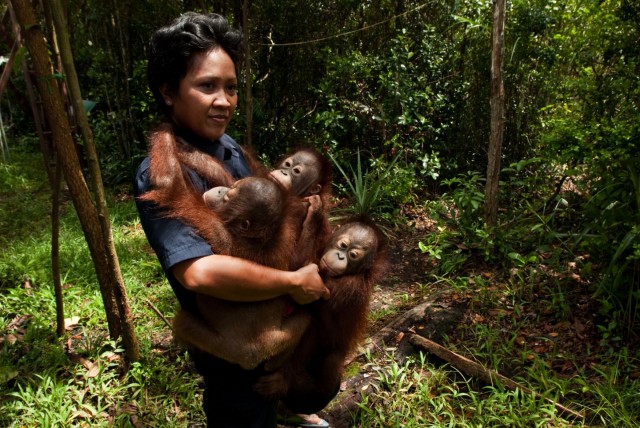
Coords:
pixel 172 48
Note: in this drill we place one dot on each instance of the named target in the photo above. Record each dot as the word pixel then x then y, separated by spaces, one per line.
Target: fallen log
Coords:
pixel 476 370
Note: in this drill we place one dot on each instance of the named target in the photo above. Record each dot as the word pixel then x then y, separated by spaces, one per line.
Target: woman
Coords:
pixel 192 73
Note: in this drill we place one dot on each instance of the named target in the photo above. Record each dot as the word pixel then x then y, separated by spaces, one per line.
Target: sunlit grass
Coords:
pixel 77 380
pixel 420 393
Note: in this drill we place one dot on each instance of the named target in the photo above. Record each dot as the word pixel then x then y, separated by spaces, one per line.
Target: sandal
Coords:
pixel 304 421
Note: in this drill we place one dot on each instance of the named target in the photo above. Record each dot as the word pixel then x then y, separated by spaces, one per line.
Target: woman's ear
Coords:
pixel 166 94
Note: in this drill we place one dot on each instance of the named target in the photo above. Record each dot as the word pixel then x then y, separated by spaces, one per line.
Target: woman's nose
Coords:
pixel 220 99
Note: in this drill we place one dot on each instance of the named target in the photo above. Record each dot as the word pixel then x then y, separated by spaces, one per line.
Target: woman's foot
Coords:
pixel 305 421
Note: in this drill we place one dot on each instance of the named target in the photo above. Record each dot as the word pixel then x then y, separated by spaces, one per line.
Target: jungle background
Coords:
pixel 398 93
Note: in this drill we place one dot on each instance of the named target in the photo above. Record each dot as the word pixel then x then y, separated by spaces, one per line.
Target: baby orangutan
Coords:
pixel 306 175
pixel 257 223
pixel 353 260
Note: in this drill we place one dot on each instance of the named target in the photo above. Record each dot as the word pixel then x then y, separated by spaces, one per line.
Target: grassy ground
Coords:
pixel 540 332
pixel 76 380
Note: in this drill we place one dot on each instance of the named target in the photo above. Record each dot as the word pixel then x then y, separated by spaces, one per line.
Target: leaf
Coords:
pixel 80 414
pixel 11 339
pixel 70 323
pixel 7 374
pixel 93 371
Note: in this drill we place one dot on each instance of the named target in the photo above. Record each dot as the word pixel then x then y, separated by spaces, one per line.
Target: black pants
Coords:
pixel 229 399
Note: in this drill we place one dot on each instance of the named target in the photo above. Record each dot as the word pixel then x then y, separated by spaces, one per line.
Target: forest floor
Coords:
pixel 532 322
pixel 542 329
pixel 534 326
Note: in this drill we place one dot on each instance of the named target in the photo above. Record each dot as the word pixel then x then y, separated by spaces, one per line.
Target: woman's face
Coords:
pixel 207 95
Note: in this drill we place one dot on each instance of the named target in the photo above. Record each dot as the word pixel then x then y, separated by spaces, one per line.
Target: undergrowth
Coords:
pixel 530 317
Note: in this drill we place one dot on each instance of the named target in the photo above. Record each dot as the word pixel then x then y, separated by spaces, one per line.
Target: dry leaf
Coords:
pixel 11 339
pixel 93 371
pixel 26 284
pixel 18 321
pixel 477 318
pixel 70 323
pixel 87 364
pixel 80 414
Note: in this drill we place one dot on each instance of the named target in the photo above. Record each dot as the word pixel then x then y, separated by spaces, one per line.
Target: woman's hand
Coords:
pixel 308 286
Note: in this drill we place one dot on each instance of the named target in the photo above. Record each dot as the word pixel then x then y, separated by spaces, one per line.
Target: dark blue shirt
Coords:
pixel 172 240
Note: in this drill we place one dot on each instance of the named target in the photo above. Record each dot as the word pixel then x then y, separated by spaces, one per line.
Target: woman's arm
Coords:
pixel 237 279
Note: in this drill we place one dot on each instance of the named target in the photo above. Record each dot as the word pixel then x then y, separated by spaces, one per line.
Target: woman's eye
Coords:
pixel 232 89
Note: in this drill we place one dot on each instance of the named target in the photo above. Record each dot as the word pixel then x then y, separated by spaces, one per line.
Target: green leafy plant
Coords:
pixel 365 192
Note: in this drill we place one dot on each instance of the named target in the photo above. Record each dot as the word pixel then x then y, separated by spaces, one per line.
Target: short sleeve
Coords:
pixel 171 240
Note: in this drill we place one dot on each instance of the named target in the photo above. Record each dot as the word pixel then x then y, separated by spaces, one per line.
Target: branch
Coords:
pixel 474 369
pixel 157 311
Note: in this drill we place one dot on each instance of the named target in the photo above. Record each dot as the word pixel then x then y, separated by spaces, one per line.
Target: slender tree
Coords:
pixel 54 176
pixel 497 116
pixel 55 249
pixel 248 93
pixel 126 318
pixel 88 214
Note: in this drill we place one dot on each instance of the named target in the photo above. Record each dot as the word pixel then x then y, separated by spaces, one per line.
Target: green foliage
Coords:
pixel 23 183
pixel 393 98
pixel 468 196
pixel 458 215
pixel 593 127
pixel 373 193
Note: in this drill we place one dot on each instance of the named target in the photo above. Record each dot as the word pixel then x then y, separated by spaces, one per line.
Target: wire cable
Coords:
pixel 335 36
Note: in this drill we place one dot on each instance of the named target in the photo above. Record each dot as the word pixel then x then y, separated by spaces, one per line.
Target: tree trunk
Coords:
pixel 126 318
pixel 248 92
pixel 38 120
pixel 68 157
pixel 55 249
pixel 497 116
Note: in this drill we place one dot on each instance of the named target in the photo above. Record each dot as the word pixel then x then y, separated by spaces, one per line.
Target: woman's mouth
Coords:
pixel 220 118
